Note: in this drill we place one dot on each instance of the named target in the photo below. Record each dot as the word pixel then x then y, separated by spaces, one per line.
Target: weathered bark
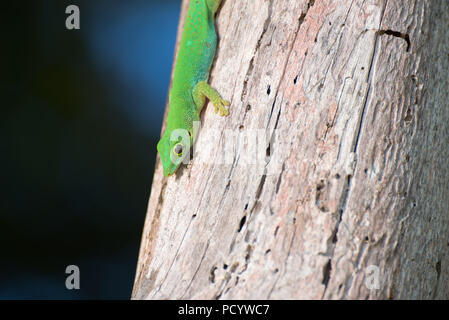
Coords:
pixel 353 96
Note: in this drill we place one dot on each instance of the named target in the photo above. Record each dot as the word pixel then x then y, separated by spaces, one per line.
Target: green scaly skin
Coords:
pixel 190 89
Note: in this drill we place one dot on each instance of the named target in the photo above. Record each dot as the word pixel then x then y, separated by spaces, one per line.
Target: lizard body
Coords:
pixel 190 89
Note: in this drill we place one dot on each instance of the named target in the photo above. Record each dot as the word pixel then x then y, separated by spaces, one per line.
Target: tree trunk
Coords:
pixel 344 192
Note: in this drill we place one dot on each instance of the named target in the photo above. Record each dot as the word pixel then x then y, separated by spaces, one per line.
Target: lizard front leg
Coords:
pixel 202 91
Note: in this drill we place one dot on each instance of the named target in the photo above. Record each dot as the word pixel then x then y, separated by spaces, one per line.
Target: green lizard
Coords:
pixel 190 89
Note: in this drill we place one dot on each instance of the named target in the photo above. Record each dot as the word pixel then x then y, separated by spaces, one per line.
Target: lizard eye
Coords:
pixel 178 149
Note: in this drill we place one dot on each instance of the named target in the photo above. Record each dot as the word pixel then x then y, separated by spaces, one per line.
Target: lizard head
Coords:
pixel 173 150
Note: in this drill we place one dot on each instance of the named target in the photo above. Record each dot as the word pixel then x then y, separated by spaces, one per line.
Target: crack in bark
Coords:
pixel 278 183
pixel 345 195
pixel 271 112
pixel 260 188
pixel 176 254
pixel 251 63
pixel 196 271
pixel 258 193
pixel 396 34
pixel 286 257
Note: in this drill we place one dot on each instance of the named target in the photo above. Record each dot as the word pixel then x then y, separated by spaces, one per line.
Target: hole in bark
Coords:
pixel 320 186
pixel 327 272
pixel 334 238
pixel 268 251
pixel 323 208
pixel 249 250
pixel 318 196
pixel 295 80
pixel 268 90
pixel 337 176
pixel 248 107
pixel 225 266
pixel 276 231
pixel 438 268
pixel 408 116
pixel 246 206
pixel 241 127
pixel 242 223
pixel 212 274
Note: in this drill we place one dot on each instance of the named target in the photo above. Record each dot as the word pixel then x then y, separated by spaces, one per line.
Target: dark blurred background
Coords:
pixel 81 112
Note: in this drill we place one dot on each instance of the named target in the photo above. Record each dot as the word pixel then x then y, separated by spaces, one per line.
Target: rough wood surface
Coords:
pixel 353 96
